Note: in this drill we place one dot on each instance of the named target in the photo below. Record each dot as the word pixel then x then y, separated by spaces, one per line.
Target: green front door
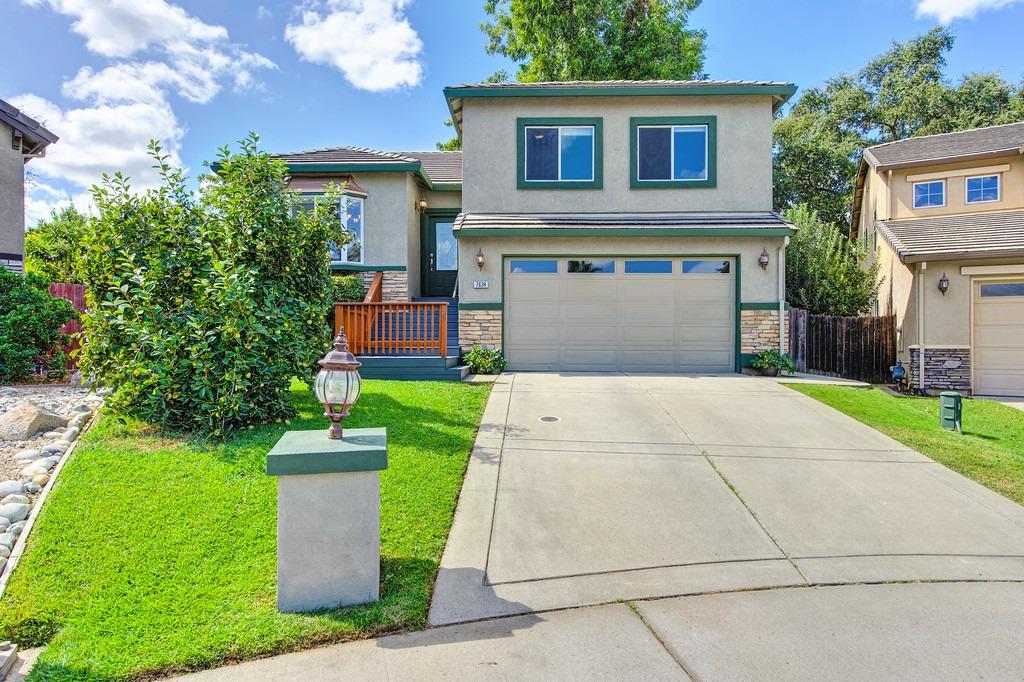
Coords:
pixel 440 256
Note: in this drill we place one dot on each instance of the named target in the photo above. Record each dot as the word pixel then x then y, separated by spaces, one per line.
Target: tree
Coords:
pixel 455 143
pixel 30 322
pixel 204 307
pixel 53 247
pixel 824 271
pixel 902 93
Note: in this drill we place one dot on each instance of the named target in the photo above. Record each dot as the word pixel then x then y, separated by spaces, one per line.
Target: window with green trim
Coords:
pixel 562 153
pixel 673 152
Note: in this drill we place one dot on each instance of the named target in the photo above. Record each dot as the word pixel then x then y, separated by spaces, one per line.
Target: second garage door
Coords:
pixel 627 314
pixel 999 338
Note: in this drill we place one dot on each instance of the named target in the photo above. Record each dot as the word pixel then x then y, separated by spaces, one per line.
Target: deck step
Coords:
pixel 414 367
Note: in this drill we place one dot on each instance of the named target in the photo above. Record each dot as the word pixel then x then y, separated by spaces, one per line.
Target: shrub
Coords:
pixel 53 247
pixel 30 322
pixel 203 307
pixel 772 358
pixel 482 360
pixel 347 289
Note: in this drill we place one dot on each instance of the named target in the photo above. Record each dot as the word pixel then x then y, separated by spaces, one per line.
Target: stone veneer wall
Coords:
pixel 394 286
pixel 12 265
pixel 945 369
pixel 479 328
pixel 759 330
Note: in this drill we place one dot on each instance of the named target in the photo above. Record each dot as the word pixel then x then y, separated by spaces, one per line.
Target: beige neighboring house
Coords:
pixel 21 140
pixel 945 216
pixel 619 225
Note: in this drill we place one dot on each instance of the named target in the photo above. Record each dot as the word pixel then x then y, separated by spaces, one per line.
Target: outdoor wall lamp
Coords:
pixel 480 260
pixel 943 284
pixel 337 384
pixel 421 205
pixel 763 259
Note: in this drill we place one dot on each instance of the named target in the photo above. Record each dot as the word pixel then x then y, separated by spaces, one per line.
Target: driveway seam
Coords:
pixel 664 645
pixel 497 483
pixel 751 512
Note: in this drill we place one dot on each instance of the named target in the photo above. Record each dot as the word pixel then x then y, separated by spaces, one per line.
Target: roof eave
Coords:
pixel 961 254
pixel 977 156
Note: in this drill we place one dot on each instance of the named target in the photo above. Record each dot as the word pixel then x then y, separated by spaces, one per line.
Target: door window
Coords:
pixel 446 256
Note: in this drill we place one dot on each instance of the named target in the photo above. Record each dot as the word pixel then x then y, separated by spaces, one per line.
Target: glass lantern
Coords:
pixel 338 384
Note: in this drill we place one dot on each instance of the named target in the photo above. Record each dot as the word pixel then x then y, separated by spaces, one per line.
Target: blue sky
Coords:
pixel 107 75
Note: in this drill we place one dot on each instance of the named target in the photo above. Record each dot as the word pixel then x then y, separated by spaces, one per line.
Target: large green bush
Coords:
pixel 203 307
pixel 347 289
pixel 53 248
pixel 30 322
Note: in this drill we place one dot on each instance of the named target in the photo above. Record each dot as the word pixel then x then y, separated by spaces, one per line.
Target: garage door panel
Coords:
pixel 587 334
pixel 705 333
pixel 529 288
pixel 588 287
pixel 704 313
pixel 588 358
pixel 650 336
pixel 998 342
pixel 573 312
pixel 647 314
pixel 645 291
pixel 999 335
pixel 647 360
pixel 1000 359
pixel 532 336
pixel 714 360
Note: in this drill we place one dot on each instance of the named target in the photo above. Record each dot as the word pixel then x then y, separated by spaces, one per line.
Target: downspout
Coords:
pixel 781 267
pixel 921 268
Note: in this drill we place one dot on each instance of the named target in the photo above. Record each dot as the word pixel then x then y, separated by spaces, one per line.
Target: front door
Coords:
pixel 440 256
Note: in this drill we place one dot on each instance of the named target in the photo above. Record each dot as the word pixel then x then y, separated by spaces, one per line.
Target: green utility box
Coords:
pixel 951 407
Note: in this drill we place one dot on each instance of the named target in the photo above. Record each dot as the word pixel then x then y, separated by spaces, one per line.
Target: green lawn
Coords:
pixel 157 554
pixel 990 451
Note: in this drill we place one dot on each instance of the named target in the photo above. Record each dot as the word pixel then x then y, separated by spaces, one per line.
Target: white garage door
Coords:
pixel 999 337
pixel 626 314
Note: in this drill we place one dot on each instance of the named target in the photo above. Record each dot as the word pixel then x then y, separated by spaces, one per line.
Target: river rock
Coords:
pixel 26 420
pixel 11 487
pixel 72 433
pixel 14 511
pixel 4 523
pixel 81 407
pixel 4 552
pixel 28 455
pixel 33 487
pixel 40 479
pixel 8 539
pixel 56 446
pixel 16 528
pixel 14 498
pixel 31 471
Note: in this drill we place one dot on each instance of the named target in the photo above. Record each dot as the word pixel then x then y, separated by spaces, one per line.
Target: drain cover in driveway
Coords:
pixel 550 419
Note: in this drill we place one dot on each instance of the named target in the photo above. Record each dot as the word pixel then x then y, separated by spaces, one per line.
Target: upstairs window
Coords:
pixel 673 152
pixel 930 194
pixel 982 188
pixel 559 153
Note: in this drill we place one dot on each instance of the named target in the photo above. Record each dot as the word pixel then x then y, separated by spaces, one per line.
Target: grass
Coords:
pixel 156 555
pixel 990 451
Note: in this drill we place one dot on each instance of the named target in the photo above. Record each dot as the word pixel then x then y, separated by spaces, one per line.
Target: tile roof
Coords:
pixel 991 141
pixel 956 236
pixel 443 167
pixel 26 125
pixel 619 221
pixel 622 83
pixel 440 167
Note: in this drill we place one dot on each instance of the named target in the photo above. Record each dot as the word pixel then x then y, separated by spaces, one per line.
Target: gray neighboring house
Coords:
pixel 21 140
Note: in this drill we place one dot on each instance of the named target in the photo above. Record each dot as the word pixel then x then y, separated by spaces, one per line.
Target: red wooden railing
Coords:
pixel 394 328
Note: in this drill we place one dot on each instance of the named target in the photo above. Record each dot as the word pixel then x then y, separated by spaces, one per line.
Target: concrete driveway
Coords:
pixel 590 489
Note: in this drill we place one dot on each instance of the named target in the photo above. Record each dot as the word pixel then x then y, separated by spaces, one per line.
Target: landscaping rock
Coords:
pixel 14 499
pixel 16 528
pixel 26 420
pixel 56 446
pixel 28 455
pixel 3 563
pixel 34 487
pixel 40 479
pixel 8 390
pixel 8 539
pixel 72 433
pixel 82 407
pixel 11 488
pixel 4 523
pixel 4 552
pixel 31 471
pixel 15 511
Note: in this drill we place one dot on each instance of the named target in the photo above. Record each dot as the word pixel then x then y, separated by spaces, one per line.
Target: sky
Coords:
pixel 109 75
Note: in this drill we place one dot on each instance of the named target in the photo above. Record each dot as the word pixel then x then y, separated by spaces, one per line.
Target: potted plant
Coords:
pixel 767 363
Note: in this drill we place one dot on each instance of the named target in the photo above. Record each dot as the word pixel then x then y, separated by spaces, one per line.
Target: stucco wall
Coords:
pixel 756 285
pixel 744 132
pixel 1012 188
pixel 12 196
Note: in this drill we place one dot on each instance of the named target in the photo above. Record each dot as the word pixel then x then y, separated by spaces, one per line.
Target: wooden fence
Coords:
pixel 862 348
pixel 76 294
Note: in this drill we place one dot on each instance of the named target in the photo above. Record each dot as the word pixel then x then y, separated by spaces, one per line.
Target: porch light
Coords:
pixel 480 260
pixel 763 259
pixel 421 205
pixel 943 284
pixel 337 384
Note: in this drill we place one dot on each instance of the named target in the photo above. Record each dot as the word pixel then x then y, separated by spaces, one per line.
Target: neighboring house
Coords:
pixel 621 225
pixel 21 140
pixel 945 216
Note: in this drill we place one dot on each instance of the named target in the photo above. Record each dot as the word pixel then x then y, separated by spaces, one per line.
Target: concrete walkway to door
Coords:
pixel 589 489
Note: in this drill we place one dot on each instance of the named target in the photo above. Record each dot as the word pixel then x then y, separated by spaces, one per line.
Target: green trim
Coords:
pixel 636 122
pixel 382 167
pixel 498 305
pixel 596 183
pixel 782 90
pixel 446 187
pixel 624 232
pixel 771 305
pixel 339 266
pixel 425 217
pixel 312 452
pixel 443 212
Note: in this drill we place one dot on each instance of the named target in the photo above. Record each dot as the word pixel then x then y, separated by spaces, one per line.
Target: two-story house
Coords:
pixel 621 225
pixel 944 216
pixel 21 140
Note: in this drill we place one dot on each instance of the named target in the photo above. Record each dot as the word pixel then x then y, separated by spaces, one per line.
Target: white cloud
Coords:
pixel 263 13
pixel 947 11
pixel 45 198
pixel 370 41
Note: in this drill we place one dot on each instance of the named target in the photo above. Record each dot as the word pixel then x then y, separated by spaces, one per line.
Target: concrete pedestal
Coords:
pixel 328 517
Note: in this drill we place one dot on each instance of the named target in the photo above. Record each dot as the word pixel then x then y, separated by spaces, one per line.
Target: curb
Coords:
pixel 19 546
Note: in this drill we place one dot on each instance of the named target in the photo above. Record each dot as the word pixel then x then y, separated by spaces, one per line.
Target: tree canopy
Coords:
pixel 53 248
pixel 899 94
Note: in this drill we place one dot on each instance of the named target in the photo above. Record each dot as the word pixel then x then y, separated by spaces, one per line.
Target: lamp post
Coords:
pixel 338 384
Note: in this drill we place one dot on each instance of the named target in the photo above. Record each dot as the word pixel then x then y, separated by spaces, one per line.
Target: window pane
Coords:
pixel 691 153
pixel 534 266
pixel 654 150
pixel 704 267
pixel 648 267
pixel 591 266
pixel 983 189
pixel 354 224
pixel 446 247
pixel 541 153
pixel 1010 289
pixel 577 153
pixel 927 194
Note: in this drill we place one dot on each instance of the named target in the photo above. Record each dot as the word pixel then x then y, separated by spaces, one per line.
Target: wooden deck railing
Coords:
pixel 394 328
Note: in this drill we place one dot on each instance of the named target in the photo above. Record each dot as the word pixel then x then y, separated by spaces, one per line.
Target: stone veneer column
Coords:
pixel 945 369
pixel 479 328
pixel 759 330
pixel 394 285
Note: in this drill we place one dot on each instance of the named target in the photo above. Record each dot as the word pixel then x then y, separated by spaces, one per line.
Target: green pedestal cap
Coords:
pixel 312 452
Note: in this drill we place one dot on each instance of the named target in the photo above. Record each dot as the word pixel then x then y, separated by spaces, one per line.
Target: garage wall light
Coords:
pixel 763 260
pixel 943 284
pixel 480 260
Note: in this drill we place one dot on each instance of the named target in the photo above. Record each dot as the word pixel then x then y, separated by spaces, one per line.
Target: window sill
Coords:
pixel 672 184
pixel 559 184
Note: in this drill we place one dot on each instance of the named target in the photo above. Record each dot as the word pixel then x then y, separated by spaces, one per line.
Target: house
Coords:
pixel 619 225
pixel 21 140
pixel 944 216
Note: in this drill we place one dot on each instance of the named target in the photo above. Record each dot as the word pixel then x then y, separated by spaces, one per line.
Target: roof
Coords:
pixel 37 135
pixel 435 168
pixel 947 147
pixel 780 91
pixel 985 235
pixel 764 224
